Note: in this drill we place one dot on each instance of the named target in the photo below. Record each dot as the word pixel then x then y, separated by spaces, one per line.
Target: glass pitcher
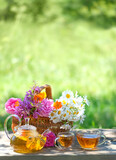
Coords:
pixel 26 139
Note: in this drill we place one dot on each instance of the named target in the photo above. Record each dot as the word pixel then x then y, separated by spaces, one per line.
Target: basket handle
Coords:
pixel 48 90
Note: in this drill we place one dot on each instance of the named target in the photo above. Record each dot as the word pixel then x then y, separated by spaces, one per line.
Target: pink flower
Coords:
pixel 50 139
pixel 46 107
pixel 11 104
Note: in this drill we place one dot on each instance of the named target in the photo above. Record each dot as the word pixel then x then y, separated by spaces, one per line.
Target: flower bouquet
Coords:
pixel 69 108
pixel 44 113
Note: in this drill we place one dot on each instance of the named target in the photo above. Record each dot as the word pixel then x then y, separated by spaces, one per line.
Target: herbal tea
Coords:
pixel 19 144
pixel 88 141
pixel 25 144
pixel 66 140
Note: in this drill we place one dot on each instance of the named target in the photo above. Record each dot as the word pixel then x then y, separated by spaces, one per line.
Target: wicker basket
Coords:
pixel 43 123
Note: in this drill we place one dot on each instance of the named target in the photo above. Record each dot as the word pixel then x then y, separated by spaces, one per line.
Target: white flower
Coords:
pixel 72 109
pixel 78 106
pixel 75 113
pixel 82 118
pixel 75 119
pixel 53 114
pixel 68 111
pixel 82 105
pixel 81 111
pixel 64 101
pixel 79 100
pixel 73 101
pixel 86 100
pixel 65 126
pixel 68 95
pixel 76 94
pixel 71 106
pixel 65 115
pixel 56 120
pixel 59 113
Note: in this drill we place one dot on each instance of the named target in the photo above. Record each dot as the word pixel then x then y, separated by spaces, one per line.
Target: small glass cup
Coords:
pixel 90 139
pixel 64 140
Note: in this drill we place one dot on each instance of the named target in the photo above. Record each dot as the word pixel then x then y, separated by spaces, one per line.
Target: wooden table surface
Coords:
pixel 106 151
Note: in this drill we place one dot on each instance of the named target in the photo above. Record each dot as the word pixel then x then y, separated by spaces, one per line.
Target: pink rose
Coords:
pixel 50 139
pixel 11 104
pixel 46 107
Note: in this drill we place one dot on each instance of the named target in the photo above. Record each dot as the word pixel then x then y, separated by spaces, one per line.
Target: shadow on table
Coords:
pixel 4 145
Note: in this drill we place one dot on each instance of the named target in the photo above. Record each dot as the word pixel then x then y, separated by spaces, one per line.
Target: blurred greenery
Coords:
pixel 69 44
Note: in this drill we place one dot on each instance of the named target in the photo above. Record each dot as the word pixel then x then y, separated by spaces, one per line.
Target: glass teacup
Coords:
pixel 90 139
pixel 64 140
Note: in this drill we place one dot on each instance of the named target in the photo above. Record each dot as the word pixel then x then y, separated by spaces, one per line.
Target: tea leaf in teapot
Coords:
pixel 36 143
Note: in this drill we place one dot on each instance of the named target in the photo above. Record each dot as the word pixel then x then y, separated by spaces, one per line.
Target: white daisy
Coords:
pixel 76 118
pixel 75 113
pixel 65 126
pixel 82 118
pixel 68 94
pixel 59 113
pixel 56 120
pixel 68 111
pixel 73 101
pixel 53 114
pixel 80 107
pixel 64 101
pixel 76 94
pixel 81 111
pixel 79 100
pixel 71 106
pixel 65 115
pixel 86 100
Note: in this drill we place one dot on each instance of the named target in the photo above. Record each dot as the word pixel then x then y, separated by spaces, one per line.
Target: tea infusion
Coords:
pixel 66 141
pixel 87 141
pixel 27 144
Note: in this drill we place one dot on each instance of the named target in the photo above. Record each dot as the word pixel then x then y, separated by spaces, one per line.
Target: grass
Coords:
pixel 77 56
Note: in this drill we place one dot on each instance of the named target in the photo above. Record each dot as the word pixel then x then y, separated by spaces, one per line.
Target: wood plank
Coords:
pixel 104 152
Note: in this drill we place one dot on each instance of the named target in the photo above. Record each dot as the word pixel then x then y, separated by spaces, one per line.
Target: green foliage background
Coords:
pixel 69 44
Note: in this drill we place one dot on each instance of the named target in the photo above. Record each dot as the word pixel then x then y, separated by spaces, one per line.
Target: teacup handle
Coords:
pixel 5 124
pixel 57 144
pixel 104 139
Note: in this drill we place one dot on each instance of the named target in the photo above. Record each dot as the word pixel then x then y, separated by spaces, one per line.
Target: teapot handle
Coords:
pixel 5 124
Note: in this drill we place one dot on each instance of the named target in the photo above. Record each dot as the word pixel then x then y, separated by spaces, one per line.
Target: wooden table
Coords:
pixel 106 151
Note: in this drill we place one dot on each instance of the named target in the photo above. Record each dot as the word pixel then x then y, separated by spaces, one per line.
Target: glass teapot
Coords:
pixel 26 139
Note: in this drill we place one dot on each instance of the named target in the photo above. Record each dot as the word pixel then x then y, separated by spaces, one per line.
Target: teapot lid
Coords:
pixel 27 126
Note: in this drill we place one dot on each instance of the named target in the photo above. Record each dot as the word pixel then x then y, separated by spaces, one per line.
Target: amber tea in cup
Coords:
pixel 89 139
pixel 64 140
